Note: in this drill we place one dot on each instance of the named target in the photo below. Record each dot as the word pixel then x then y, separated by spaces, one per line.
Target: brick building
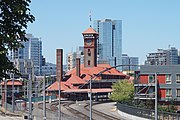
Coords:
pixel 75 83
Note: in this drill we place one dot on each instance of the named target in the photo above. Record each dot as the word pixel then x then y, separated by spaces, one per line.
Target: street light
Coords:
pixel 30 95
pixel 5 92
pixel 12 78
pixel 59 92
pixel 44 98
pixel 156 97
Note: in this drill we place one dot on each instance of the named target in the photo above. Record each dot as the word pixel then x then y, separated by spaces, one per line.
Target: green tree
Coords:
pixel 14 17
pixel 122 91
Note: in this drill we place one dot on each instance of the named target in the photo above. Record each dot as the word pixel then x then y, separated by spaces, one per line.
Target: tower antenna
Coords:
pixel 90 17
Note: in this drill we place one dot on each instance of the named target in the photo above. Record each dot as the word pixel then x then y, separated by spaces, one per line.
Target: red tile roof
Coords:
pixel 90 30
pixel 75 80
pixel 101 90
pixel 55 86
pixel 10 83
pixel 89 71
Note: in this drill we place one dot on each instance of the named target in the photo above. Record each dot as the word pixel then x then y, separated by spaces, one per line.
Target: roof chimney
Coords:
pixel 78 67
pixel 59 64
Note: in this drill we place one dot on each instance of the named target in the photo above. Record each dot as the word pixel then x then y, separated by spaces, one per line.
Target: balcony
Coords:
pixel 144 96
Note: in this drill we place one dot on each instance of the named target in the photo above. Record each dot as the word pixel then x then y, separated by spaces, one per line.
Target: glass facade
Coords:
pixel 110 40
pixel 32 50
pixel 127 60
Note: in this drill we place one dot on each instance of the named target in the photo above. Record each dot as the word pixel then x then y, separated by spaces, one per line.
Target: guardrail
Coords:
pixel 146 113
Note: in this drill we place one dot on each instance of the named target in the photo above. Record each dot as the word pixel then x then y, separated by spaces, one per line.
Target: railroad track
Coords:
pixel 75 112
pixel 106 116
pixel 54 108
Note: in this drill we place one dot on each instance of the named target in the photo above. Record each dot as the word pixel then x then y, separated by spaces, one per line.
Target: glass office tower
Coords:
pixel 110 41
pixel 32 50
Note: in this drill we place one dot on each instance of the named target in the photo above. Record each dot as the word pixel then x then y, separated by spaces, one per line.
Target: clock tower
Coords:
pixel 90 47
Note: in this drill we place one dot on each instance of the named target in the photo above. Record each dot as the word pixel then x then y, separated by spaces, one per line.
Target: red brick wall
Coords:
pixel 144 79
pixel 161 79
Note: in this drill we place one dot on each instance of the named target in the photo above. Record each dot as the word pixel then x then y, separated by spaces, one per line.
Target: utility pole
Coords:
pixel 59 110
pixel 90 95
pixel 129 64
pixel 44 98
pixel 30 100
pixel 1 94
pixel 12 78
pixel 156 97
pixel 5 92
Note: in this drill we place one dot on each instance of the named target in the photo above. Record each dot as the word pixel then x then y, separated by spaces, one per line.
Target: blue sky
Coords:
pixel 147 24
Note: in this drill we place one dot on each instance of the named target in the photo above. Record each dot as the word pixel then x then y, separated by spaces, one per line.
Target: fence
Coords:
pixel 38 99
pixel 146 113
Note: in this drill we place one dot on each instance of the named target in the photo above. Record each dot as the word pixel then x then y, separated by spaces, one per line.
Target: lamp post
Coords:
pixel 129 60
pixel 29 95
pixel 5 92
pixel 156 97
pixel 12 78
pixel 90 95
pixel 44 98
pixel 59 92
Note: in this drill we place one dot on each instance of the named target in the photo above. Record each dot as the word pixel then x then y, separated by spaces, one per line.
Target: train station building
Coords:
pixel 75 84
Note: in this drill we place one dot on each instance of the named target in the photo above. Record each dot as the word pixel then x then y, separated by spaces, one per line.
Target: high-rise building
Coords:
pixel 32 50
pixel 163 57
pixel 25 67
pixel 71 57
pixel 110 40
pixel 131 61
pixel 71 60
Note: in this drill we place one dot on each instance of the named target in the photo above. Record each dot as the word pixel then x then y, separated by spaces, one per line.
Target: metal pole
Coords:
pixel 129 64
pixel 156 98
pixel 12 92
pixel 44 99
pixel 59 111
pixel 1 94
pixel 30 102
pixel 5 92
pixel 90 87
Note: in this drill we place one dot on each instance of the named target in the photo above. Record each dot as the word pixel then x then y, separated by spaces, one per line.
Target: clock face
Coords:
pixel 88 42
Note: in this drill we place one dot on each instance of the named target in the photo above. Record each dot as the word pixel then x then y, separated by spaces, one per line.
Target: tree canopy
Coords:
pixel 122 91
pixel 14 17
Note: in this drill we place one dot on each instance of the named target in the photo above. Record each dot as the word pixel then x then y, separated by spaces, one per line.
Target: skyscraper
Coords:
pixel 32 50
pixel 109 41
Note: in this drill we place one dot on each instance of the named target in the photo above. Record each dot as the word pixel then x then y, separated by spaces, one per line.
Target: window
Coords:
pixel 168 93
pixel 151 78
pixel 89 52
pixel 177 78
pixel 89 62
pixel 178 93
pixel 168 79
